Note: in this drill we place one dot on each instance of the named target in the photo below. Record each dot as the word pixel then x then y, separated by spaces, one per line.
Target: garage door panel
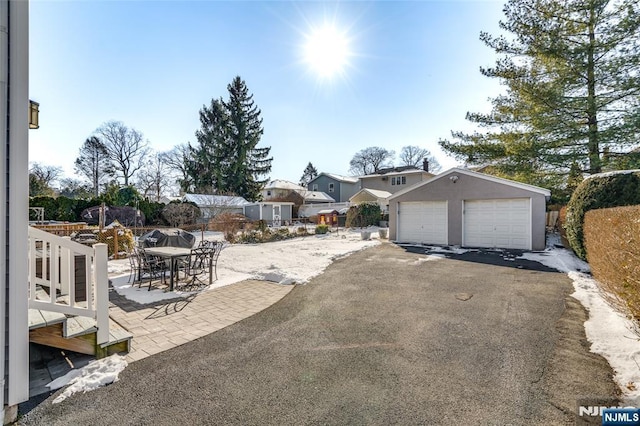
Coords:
pixel 423 222
pixel 500 223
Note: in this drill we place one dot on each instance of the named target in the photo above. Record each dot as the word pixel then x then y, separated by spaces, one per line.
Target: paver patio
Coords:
pixel 163 325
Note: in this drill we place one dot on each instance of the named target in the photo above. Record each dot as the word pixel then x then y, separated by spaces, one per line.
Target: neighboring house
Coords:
pixel 283 190
pixel 340 188
pixel 466 208
pixel 274 213
pixel 395 179
pixel 213 205
pixel 278 188
pixel 372 196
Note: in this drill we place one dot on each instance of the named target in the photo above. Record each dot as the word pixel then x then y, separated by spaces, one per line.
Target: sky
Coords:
pixel 407 74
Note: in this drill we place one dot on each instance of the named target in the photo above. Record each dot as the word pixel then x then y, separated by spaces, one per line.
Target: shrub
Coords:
pixel 229 224
pixel 267 236
pixel 322 229
pixel 612 239
pixel 124 237
pixel 363 215
pixel 179 214
pixel 596 192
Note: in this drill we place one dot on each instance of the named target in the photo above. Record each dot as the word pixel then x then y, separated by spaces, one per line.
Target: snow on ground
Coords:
pixel 293 261
pixel 94 375
pixel 611 334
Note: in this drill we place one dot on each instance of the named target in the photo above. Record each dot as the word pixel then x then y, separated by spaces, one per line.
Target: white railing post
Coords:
pixel 101 283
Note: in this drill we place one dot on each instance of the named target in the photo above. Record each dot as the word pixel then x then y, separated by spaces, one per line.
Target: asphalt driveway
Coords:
pixel 384 336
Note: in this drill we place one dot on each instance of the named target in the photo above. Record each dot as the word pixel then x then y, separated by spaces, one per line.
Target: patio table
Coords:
pixel 171 253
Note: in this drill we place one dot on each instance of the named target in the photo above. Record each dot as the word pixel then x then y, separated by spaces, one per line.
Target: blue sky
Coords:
pixel 411 75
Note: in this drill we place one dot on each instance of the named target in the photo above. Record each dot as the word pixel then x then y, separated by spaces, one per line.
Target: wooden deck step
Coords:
pixel 78 326
pixel 38 318
pixel 77 334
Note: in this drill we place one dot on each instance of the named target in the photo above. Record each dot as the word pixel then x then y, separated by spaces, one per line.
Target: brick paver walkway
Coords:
pixel 167 324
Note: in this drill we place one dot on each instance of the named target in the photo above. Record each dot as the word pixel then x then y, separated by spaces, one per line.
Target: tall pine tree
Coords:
pixel 242 163
pixel 203 161
pixel 308 175
pixel 572 76
pixel 227 159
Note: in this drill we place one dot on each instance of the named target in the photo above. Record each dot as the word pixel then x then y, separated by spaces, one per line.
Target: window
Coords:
pixel 268 193
pixel 404 180
pixel 315 187
pixel 393 181
pixel 330 187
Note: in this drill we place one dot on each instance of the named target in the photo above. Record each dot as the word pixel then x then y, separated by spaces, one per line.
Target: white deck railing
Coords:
pixel 55 263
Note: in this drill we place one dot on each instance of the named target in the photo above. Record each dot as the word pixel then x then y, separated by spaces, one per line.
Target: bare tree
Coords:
pixel 370 160
pixel 412 155
pixel 93 162
pixel 154 178
pixel 41 179
pixel 126 148
pixel 177 160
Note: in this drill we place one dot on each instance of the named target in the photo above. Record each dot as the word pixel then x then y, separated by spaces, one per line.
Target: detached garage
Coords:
pixel 461 207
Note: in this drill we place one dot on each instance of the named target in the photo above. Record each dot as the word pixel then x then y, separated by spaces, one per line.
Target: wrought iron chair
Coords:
pixel 153 267
pixel 194 266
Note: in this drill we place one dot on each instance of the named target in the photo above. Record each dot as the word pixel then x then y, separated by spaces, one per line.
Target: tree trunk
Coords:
pixel 595 163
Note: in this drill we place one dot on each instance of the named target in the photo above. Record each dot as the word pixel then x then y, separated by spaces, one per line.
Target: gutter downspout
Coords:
pixel 4 140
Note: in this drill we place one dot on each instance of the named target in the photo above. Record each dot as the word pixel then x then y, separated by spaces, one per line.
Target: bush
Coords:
pixel 596 192
pixel 256 236
pixel 178 214
pixel 322 229
pixel 229 224
pixel 124 236
pixel 612 239
pixel 363 215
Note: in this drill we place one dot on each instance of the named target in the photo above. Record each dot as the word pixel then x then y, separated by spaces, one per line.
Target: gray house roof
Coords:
pixel 467 172
pixel 339 178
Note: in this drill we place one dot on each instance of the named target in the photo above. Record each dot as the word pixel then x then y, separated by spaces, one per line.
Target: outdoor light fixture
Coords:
pixel 34 112
pixel 454 178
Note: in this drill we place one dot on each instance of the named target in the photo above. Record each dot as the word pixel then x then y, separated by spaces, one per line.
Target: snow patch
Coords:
pixel 96 374
pixel 611 334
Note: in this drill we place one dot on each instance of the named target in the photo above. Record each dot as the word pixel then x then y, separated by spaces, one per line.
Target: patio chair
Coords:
pixel 195 266
pixel 213 249
pixel 136 266
pixel 153 267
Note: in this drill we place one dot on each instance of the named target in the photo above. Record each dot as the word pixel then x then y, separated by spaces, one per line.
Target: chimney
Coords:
pixel 425 165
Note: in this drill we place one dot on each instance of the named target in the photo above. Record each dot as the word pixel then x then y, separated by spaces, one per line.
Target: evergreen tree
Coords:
pixel 203 163
pixel 572 73
pixel 308 175
pixel 241 162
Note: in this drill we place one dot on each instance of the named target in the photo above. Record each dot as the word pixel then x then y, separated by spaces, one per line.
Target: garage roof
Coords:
pixel 467 172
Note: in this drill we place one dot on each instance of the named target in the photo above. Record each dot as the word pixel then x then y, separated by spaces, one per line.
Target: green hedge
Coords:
pixel 363 215
pixel 597 192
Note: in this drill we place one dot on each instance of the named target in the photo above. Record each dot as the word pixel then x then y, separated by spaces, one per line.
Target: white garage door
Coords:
pixel 498 223
pixel 423 222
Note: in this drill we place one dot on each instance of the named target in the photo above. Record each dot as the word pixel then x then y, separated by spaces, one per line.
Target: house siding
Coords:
pixel 383 182
pixel 252 212
pixel 471 188
pixel 342 191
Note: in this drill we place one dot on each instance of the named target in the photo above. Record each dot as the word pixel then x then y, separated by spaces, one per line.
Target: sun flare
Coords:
pixel 327 51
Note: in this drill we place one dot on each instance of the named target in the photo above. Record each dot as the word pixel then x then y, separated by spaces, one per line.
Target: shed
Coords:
pixel 328 217
pixel 466 208
pixel 274 213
